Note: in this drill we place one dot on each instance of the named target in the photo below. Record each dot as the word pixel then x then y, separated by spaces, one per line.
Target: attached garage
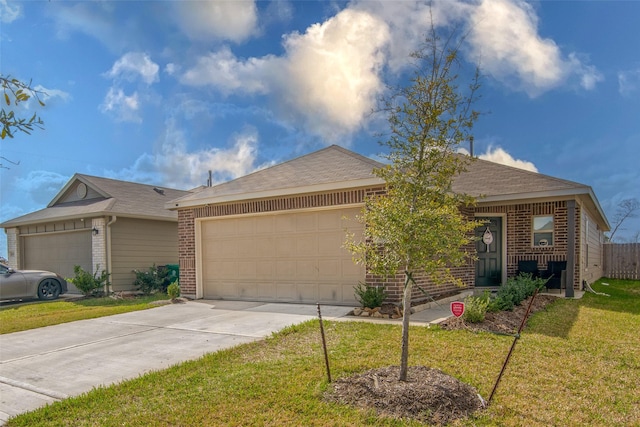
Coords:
pixel 58 252
pixel 285 257
pixel 277 235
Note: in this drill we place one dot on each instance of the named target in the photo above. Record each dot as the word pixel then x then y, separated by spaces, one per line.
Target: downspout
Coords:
pixel 109 266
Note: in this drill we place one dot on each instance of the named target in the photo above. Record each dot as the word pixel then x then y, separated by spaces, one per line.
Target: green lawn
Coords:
pixel 38 314
pixel 577 363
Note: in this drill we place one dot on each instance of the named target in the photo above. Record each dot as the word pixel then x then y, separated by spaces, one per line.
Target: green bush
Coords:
pixel 87 283
pixel 151 281
pixel 370 296
pixel 173 290
pixel 475 308
pixel 516 290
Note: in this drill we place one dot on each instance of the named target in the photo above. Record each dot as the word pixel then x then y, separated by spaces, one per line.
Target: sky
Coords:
pixel 161 92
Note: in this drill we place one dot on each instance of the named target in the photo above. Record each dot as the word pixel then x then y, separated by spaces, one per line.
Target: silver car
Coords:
pixel 22 284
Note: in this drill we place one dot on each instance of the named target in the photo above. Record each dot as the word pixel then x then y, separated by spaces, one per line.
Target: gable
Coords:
pixel 77 190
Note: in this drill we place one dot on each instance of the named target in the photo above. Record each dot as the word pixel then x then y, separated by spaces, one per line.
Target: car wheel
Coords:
pixel 49 289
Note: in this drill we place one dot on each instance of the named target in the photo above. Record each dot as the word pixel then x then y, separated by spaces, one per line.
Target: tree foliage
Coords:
pixel 417 226
pixel 16 92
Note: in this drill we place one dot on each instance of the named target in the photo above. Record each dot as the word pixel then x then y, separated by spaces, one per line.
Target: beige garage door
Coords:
pixel 292 257
pixel 58 253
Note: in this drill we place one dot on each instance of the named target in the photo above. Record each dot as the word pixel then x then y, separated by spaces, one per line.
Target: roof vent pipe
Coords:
pixel 210 180
pixel 471 145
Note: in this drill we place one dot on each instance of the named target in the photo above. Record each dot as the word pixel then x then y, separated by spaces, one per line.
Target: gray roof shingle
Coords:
pixel 120 198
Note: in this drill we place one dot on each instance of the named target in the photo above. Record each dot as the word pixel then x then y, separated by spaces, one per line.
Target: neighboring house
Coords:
pixel 277 234
pixel 93 221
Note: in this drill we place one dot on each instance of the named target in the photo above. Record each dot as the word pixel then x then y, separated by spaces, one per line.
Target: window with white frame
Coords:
pixel 543 231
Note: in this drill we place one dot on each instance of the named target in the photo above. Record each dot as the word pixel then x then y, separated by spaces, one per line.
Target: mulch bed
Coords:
pixel 429 395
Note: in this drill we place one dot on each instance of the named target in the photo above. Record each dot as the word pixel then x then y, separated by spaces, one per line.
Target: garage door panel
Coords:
pixel 331 292
pixel 285 224
pixel 291 257
pixel 306 222
pixel 221 270
pixel 285 268
pixel 246 248
pixel 286 292
pixel 307 292
pixel 307 269
pixel 306 244
pixel 330 220
pixel 264 225
pixel 59 253
pixel 286 246
pixel 329 268
pixel 247 270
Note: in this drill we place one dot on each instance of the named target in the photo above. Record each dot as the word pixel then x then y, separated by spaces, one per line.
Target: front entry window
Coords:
pixel 543 231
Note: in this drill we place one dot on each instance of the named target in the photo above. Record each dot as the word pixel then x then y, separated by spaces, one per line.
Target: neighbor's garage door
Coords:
pixel 58 253
pixel 292 257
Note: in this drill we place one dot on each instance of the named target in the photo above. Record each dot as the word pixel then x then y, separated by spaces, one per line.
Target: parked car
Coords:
pixel 22 284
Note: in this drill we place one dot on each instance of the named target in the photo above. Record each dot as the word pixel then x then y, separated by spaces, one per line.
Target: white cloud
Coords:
pixel 41 185
pixel 499 155
pixel 173 165
pixel 333 72
pixel 229 74
pixel 133 65
pixel 9 12
pixel 629 82
pixel 504 39
pixel 124 108
pixel 327 80
pixel 228 20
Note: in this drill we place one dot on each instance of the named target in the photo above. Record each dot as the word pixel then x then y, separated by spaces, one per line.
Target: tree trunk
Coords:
pixel 406 312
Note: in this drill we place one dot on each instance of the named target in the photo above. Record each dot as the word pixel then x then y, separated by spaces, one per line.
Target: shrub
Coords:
pixel 87 283
pixel 516 290
pixel 151 281
pixel 476 307
pixel 173 290
pixel 370 296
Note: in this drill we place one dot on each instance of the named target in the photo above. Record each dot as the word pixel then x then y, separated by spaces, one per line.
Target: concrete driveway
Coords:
pixel 43 365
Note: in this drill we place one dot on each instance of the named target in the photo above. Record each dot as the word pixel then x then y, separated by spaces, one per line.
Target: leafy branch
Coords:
pixel 16 92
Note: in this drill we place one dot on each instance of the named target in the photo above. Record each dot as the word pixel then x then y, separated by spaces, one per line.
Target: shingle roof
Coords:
pixel 115 197
pixel 337 168
pixel 484 179
pixel 326 167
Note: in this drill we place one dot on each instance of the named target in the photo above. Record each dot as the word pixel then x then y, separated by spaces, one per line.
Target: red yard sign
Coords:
pixel 457 308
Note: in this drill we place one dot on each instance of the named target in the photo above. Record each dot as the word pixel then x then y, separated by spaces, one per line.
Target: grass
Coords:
pixel 577 363
pixel 39 314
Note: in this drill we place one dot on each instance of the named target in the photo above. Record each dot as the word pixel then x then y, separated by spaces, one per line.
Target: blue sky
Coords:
pixel 160 92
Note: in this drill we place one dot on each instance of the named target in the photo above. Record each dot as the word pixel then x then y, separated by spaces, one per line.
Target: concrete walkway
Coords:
pixel 44 365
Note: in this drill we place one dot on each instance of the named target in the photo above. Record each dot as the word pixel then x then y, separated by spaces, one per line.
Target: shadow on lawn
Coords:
pixel 621 296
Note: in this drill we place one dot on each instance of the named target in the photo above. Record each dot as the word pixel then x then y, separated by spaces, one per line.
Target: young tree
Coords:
pixel 16 92
pixel 417 226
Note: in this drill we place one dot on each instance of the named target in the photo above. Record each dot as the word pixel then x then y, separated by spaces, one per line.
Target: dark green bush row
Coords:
pixel 516 290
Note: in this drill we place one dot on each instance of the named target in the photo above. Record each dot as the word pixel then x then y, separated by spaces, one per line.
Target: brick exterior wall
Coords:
pixel 98 245
pixel 13 247
pixel 519 245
